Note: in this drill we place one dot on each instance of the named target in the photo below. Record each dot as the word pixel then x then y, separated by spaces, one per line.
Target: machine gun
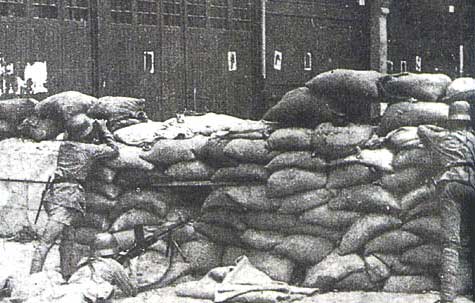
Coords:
pixel 142 243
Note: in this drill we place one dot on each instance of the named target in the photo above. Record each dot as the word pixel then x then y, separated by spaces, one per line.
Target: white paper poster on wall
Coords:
pixel 277 60
pixel 232 61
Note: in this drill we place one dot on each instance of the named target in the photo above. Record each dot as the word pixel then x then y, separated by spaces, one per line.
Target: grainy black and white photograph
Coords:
pixel 237 151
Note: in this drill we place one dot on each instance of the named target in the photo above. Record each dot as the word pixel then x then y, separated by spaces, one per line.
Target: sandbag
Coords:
pixel 403 138
pixel 97 203
pixel 15 110
pixel 426 208
pixel 426 227
pixel 251 197
pixel 291 139
pixel 203 255
pixel 262 239
pixel 7 129
pixel 64 105
pixel 220 234
pixel 116 108
pixel 406 180
pixel 129 158
pixel 213 153
pixel 168 152
pixel 413 157
pixel 134 217
pixel 423 255
pixel 412 114
pixel 351 175
pixel 147 133
pixel 333 142
pixel 422 87
pixel 116 125
pixel 301 202
pixel 190 171
pixel 357 281
pixel 103 174
pixel 304 249
pixel 241 173
pixel 378 159
pixel 395 241
pixel 411 284
pixel 290 181
pixel 269 221
pixel 376 269
pixel 315 230
pixel 249 151
pixel 39 129
pixel 346 85
pixel 223 217
pixel 155 201
pixel 296 159
pixel 325 216
pixel 132 178
pixel 331 269
pixel 218 199
pixel 365 229
pixel 299 107
pixel 365 198
pixel 86 235
pixel 110 191
pixel 399 268
pixel 94 220
pixel 460 85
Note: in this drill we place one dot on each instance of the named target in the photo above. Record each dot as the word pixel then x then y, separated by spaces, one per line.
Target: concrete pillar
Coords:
pixel 379 35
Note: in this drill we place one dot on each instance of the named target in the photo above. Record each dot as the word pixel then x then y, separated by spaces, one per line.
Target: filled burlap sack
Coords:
pixel 423 194
pixel 406 180
pixel 147 133
pixel 133 177
pixel 422 87
pixel 396 241
pixel 7 129
pixel 134 217
pixel 213 153
pixel 156 202
pixel 64 105
pixel 460 85
pixel 167 152
pixel 190 171
pixel 290 181
pixel 115 108
pixel 291 139
pixel 349 175
pixel 241 173
pixel 365 198
pixel 300 202
pixel 262 239
pixel 108 190
pixel 218 199
pixel 376 269
pixel 251 197
pixel 355 85
pixel 332 234
pixel 411 284
pixel 304 249
pixel 269 221
pixel 403 138
pixel 413 157
pixel 325 216
pixel 86 235
pixel 365 229
pixel 399 268
pixel 426 227
pixel 357 281
pixel 299 107
pixel 219 234
pixel 202 255
pixel 40 129
pixel 424 255
pixel 130 157
pixel 97 203
pixel 412 114
pixel 333 142
pixel 379 160
pixel 15 110
pixel 428 208
pixel 331 269
pixel 103 174
pixel 249 151
pixel 94 220
pixel 223 217
pixel 277 267
pixel 297 159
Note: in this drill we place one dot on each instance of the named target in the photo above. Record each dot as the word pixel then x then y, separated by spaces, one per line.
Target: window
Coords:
pixel 77 10
pixel 307 61
pixel 12 8
pixel 47 9
pixel 403 68
pixel 218 13
pixel 242 15
pixel 149 62
pixel 196 10
pixel 147 12
pixel 121 11
pixel 172 12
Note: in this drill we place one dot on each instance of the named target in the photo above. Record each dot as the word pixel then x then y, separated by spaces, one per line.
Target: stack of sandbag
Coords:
pixel 12 113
